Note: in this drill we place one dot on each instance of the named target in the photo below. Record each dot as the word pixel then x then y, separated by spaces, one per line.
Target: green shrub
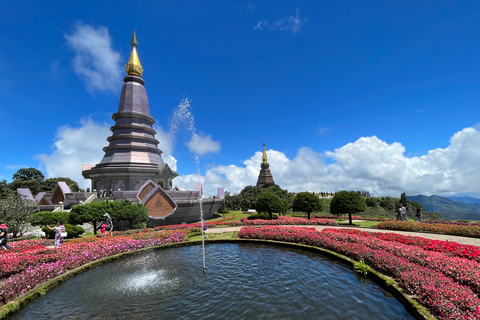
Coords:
pixel 193 234
pixel 361 267
pixel 263 216
pixel 135 213
pixel 72 231
pixel 49 217
pixel 225 210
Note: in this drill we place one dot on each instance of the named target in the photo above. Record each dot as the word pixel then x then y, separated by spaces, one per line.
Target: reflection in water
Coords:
pixel 243 282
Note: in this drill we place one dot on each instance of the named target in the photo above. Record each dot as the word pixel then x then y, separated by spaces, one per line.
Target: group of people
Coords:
pixel 401 213
pixel 60 234
pixel 103 193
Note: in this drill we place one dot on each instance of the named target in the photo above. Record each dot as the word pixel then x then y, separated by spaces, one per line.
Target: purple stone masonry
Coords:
pixel 133 139
pixel 265 176
pixel 132 155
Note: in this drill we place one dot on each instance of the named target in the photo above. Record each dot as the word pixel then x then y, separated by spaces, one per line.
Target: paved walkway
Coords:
pixel 434 236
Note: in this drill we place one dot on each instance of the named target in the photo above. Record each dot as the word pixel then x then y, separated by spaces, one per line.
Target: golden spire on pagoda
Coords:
pixel 133 65
pixel 264 157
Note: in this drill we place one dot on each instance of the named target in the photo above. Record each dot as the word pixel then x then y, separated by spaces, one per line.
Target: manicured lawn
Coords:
pixel 215 236
pixel 238 215
pixel 363 223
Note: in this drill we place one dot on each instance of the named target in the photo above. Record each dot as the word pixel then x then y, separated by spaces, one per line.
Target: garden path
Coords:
pixel 434 236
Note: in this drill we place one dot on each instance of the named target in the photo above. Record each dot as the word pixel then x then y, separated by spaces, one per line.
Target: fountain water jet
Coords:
pixel 182 116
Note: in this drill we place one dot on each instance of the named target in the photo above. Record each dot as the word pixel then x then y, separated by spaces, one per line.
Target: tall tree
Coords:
pixel 50 183
pixel 388 203
pixel 28 174
pixel 5 189
pixel 32 184
pixel 403 199
pixel 15 211
pixel 307 202
pixel 347 202
pixel 247 198
pixel 268 202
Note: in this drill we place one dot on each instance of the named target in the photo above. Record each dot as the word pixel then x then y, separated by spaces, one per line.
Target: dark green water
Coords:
pixel 243 281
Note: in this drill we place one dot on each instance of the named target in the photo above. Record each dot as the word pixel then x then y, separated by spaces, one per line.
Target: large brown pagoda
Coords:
pixel 132 157
pixel 265 176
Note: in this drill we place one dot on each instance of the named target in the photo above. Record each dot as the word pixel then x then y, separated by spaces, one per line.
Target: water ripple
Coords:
pixel 242 282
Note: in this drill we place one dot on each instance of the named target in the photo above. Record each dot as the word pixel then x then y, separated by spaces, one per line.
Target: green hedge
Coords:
pixel 135 213
pixel 263 216
pixel 72 231
pixel 49 217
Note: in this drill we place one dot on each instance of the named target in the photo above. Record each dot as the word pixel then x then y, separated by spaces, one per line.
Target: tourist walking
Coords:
pixel 404 213
pixel 398 212
pixel 419 215
pixel 109 223
pixel 4 237
pixel 59 231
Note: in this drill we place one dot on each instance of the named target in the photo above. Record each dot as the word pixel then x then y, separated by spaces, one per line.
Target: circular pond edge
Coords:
pixel 387 283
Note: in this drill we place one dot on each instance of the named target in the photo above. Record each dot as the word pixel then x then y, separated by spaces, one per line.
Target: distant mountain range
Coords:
pixel 450 204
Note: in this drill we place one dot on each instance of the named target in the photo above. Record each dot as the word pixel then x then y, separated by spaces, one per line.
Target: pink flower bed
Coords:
pixel 443 295
pixel 35 267
pixel 282 220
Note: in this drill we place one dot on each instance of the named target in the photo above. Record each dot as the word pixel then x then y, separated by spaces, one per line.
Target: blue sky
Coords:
pixel 375 95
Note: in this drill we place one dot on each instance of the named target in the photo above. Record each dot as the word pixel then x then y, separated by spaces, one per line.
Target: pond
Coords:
pixel 243 281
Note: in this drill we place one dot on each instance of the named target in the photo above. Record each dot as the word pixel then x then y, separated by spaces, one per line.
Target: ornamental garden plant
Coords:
pixel 450 229
pixel 444 283
pixel 443 276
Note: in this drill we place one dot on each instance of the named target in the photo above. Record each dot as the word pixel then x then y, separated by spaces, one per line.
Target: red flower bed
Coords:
pixel 446 298
pixel 453 249
pixel 457 230
pixel 464 271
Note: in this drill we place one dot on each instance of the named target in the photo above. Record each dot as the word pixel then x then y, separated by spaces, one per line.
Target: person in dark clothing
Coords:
pixel 419 214
pixel 398 212
pixel 3 237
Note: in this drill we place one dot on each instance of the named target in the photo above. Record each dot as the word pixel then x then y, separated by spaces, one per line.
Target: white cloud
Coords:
pixel 291 24
pixel 366 164
pixel 74 147
pixel 322 130
pixel 261 24
pixel 166 145
pixel 95 61
pixel 203 144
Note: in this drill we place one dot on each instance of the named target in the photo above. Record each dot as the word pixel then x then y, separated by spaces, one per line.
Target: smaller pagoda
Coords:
pixel 265 177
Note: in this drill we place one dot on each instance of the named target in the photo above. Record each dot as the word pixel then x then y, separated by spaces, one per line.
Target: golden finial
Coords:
pixel 264 157
pixel 133 65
